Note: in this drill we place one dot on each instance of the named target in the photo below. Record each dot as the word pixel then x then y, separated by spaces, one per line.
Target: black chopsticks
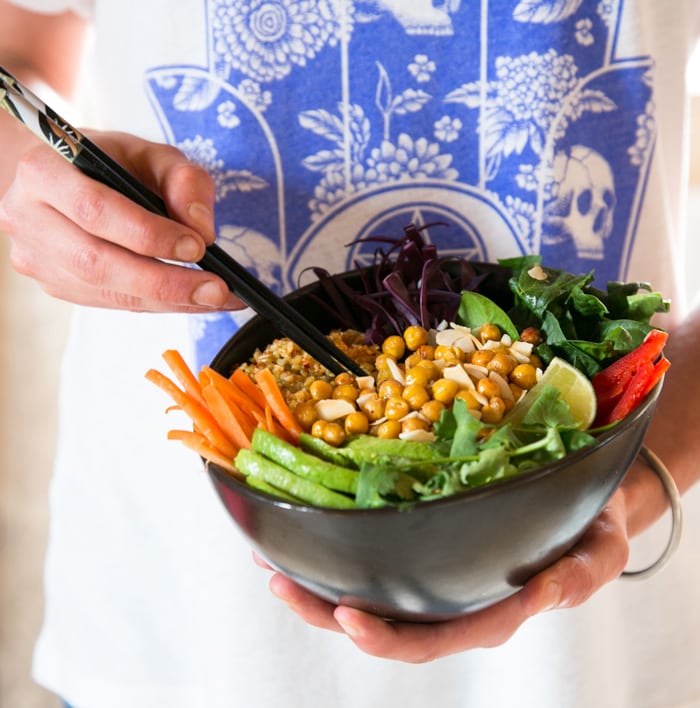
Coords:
pixel 26 107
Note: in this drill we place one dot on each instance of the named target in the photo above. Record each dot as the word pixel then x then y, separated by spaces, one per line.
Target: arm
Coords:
pixel 80 240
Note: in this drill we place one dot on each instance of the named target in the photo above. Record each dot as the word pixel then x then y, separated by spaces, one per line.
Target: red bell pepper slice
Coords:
pixel 610 383
pixel 624 384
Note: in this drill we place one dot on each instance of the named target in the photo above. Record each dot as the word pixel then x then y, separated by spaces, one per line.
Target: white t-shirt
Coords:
pixel 530 126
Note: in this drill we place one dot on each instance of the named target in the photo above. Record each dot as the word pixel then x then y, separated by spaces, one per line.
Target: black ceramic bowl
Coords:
pixel 440 559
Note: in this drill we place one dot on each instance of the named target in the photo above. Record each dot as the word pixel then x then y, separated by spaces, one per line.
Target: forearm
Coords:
pixel 35 48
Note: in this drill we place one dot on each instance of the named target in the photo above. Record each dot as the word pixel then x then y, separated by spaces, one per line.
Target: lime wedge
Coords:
pixel 574 387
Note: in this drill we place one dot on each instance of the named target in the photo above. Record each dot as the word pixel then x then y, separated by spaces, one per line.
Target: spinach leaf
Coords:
pixel 476 310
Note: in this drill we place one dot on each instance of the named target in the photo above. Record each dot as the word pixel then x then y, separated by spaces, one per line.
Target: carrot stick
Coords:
pixel 226 417
pixel 274 398
pixel 234 393
pixel 244 382
pixel 198 443
pixel 201 417
pixel 183 373
pixel 274 427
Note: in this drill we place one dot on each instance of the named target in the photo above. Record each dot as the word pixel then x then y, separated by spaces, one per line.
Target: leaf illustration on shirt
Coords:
pixel 202 151
pixel 409 101
pixel 545 11
pixel 351 143
pixel 196 93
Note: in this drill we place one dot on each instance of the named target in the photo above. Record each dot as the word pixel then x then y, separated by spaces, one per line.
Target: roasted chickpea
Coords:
pixel 430 365
pixel 482 357
pixel 346 392
pixel 320 390
pixel 389 429
pixel 334 434
pixel 489 332
pixel 356 424
pixel 524 376
pixel 488 387
pixel 380 362
pixel 414 423
pixel 373 408
pixel 318 427
pixel 446 354
pixel 383 375
pixel 426 351
pixel 415 337
pixel 432 410
pixel 536 361
pixel 344 379
pixel 445 390
pixel 415 395
pixel 396 408
pixel 394 346
pixel 306 414
pixel 412 360
pixel 420 375
pixel 531 335
pixel 493 411
pixel 390 389
pixel 469 398
pixel 502 363
pixel 516 390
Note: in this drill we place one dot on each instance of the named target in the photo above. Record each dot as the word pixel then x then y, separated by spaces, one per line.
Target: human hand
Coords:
pixel 86 243
pixel 599 557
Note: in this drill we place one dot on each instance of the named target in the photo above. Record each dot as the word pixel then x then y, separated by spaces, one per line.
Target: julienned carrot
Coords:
pixel 183 373
pixel 226 417
pixel 244 382
pixel 200 445
pixel 276 428
pixel 203 420
pixel 233 392
pixel 274 398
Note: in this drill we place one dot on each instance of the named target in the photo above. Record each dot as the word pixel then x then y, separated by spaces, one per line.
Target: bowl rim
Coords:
pixel 220 476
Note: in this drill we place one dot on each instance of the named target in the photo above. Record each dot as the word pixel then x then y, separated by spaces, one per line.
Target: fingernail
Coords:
pixel 203 219
pixel 209 294
pixel 346 622
pixel 551 596
pixel 188 249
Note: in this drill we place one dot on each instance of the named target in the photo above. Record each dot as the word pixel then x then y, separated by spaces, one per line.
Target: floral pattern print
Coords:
pixel 331 119
pixel 265 39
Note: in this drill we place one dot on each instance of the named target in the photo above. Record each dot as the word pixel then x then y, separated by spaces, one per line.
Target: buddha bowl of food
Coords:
pixel 503 404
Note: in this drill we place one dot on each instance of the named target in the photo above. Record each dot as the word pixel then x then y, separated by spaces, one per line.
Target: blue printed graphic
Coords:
pixel 322 121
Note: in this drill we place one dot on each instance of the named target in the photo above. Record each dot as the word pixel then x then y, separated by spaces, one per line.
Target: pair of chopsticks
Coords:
pixel 69 142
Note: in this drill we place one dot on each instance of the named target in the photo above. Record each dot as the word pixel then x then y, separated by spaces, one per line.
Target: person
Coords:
pixel 285 130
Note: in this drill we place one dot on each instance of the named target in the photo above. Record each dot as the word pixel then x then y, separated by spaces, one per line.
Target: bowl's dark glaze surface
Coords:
pixel 440 559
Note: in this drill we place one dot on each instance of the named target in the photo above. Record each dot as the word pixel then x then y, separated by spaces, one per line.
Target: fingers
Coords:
pixel 420 643
pixel 88 244
pixel 310 608
pixel 599 557
pixel 101 211
pixel 403 641
pixel 84 269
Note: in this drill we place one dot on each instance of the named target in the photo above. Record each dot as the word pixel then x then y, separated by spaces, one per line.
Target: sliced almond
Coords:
pixel 418 436
pixel 395 371
pixel 459 375
pixel 333 408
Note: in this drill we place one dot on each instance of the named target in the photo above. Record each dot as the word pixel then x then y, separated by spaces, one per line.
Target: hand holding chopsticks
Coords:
pixel 75 147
